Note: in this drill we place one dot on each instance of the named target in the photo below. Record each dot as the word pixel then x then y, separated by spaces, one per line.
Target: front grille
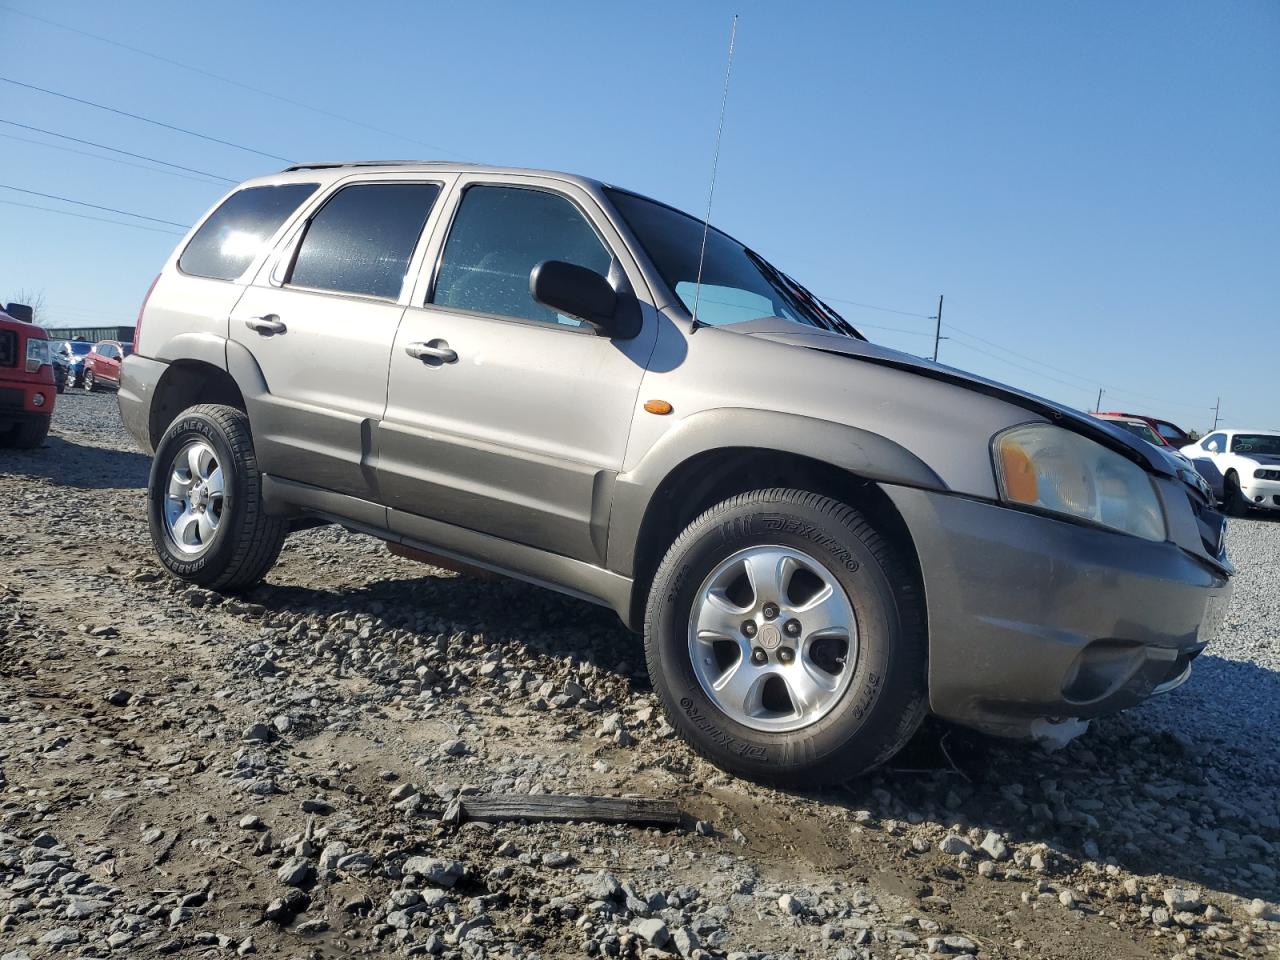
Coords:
pixel 10 399
pixel 8 348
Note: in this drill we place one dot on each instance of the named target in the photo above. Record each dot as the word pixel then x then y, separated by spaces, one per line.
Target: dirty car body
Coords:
pixel 1050 566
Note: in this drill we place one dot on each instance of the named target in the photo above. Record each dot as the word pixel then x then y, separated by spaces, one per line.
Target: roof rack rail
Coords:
pixel 332 164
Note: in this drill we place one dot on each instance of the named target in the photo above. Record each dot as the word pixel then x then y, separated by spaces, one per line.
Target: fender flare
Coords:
pixel 210 348
pixel 863 453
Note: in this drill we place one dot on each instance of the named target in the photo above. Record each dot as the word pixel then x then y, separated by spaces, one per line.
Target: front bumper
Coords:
pixel 1264 494
pixel 1031 617
pixel 138 379
pixel 18 401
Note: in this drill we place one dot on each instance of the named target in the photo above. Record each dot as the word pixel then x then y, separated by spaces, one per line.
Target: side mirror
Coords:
pixel 20 311
pixel 585 295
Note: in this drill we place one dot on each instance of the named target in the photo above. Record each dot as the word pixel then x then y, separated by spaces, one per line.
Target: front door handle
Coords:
pixel 432 350
pixel 267 326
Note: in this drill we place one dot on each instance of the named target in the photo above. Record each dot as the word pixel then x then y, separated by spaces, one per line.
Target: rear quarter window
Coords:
pixel 228 241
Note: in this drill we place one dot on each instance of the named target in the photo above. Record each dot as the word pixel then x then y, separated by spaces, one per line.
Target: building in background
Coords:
pixel 92 334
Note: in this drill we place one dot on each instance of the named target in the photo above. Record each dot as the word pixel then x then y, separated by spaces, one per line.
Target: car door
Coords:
pixel 1209 460
pixel 107 366
pixel 503 417
pixel 318 323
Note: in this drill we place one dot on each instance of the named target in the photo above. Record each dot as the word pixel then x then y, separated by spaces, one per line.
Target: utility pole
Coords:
pixel 937 329
pixel 1097 407
pixel 1216 408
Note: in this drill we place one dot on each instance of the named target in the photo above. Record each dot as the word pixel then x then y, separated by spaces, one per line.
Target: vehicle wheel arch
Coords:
pixel 711 476
pixel 185 384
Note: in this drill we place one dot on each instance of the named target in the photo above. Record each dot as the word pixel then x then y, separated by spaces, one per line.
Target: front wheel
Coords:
pixel 90 383
pixel 205 508
pixel 784 636
pixel 26 435
pixel 1235 503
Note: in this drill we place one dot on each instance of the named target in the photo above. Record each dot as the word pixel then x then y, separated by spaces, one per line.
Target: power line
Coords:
pixel 103 146
pixel 85 216
pixel 232 81
pixel 82 203
pixel 872 306
pixel 134 116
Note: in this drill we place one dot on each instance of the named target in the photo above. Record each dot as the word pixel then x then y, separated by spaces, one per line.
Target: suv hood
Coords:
pixel 797 335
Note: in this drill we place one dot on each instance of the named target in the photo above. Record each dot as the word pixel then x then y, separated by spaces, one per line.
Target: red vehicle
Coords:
pixel 1172 434
pixel 27 387
pixel 102 364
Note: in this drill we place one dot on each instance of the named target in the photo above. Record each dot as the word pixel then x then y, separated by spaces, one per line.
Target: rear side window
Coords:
pixel 227 242
pixel 361 240
pixel 499 235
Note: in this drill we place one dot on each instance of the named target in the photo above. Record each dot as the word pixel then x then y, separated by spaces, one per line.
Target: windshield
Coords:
pixel 737 284
pixel 1141 430
pixel 1168 431
pixel 1267 444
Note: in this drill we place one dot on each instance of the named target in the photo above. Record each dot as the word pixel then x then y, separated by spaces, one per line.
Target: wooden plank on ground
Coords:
pixel 639 810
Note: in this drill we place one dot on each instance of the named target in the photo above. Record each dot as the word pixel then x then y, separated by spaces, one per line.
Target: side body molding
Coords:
pixel 869 455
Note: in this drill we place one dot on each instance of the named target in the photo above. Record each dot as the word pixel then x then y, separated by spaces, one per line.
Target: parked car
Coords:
pixel 1142 428
pixel 102 364
pixel 1242 467
pixel 61 370
pixel 74 352
pixel 502 369
pixel 27 387
pixel 1170 432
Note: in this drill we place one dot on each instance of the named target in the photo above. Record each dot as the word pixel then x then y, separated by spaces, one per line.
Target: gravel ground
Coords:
pixel 183 773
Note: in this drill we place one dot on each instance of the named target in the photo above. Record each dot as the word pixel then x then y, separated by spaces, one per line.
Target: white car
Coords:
pixel 1242 467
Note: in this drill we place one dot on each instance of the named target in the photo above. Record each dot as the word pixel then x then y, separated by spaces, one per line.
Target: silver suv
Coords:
pixel 543 375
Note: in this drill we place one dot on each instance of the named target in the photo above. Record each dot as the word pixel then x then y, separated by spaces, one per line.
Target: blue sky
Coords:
pixel 1094 186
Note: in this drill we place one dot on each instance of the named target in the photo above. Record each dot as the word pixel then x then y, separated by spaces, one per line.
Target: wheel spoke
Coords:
pixel 769 573
pixel 214 483
pixel 718 618
pixel 179 486
pixel 206 525
pixel 809 685
pixel 186 528
pixel 199 460
pixel 826 614
pixel 740 688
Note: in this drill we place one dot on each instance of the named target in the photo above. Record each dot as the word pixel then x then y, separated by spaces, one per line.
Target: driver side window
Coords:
pixel 1215 442
pixel 498 236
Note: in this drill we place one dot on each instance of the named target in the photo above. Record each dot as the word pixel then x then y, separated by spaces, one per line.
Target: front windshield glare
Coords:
pixel 737 284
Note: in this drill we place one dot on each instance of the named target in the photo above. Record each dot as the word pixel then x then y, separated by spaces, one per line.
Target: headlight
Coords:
pixel 1043 466
pixel 37 353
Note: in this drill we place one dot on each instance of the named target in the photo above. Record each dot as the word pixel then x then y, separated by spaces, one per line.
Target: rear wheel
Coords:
pixel 785 639
pixel 206 514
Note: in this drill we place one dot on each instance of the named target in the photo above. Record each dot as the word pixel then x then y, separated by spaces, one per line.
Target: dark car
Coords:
pixel 74 352
pixel 1169 432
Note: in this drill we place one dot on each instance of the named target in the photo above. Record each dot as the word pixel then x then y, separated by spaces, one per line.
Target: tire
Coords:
pixel 232 543
pixel 1234 502
pixel 27 435
pixel 878 702
pixel 90 382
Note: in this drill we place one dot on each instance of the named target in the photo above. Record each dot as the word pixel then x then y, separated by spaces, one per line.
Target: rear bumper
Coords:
pixel 138 379
pixel 1033 618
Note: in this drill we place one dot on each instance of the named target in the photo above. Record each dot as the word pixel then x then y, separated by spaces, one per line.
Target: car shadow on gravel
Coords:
pixel 70 464
pixel 1136 790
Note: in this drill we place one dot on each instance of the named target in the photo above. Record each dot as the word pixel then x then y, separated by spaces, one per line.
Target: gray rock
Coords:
pixel 600 886
pixel 442 873
pixel 295 872
pixel 790 905
pixel 955 845
pixel 557 859
pixel 652 931
pixel 454 748
pixel 993 845
pixel 119 697
pixel 1182 899
pixel 60 937
pixel 259 733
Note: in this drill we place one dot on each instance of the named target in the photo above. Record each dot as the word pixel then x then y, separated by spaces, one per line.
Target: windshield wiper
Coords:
pixel 807 303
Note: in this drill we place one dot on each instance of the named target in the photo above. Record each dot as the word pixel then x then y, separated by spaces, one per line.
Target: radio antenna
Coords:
pixel 715 162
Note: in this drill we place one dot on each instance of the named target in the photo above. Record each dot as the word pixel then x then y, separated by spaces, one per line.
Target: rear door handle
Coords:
pixel 437 350
pixel 267 326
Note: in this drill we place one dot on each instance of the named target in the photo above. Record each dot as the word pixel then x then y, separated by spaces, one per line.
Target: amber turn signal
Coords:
pixel 660 407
